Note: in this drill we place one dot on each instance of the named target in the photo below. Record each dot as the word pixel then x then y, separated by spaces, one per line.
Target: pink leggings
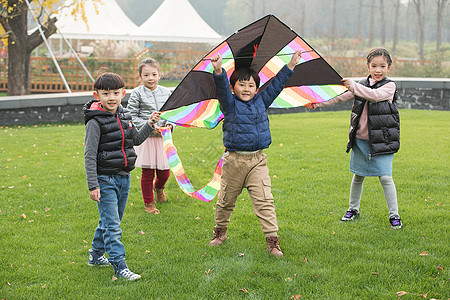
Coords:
pixel 147 182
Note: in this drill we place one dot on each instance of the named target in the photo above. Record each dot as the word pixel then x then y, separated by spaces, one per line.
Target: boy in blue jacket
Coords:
pixel 245 134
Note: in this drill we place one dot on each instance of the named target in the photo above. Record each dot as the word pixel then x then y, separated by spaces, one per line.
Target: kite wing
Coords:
pixel 265 46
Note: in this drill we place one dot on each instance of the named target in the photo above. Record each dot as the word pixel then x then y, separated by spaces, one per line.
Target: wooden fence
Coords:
pixel 174 66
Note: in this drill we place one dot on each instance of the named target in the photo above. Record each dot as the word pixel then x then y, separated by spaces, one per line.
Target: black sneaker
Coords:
pixel 350 215
pixel 396 222
pixel 97 259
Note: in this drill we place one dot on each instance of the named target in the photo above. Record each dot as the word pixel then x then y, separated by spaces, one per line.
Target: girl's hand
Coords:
pixel 216 61
pixel 347 82
pixel 295 59
pixel 311 105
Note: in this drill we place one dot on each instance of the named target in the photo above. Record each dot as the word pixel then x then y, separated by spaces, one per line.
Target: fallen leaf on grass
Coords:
pixel 207 272
pixel 296 297
pixel 114 278
pixel 255 273
pixel 44 286
pixel 23 216
pixel 424 253
pixel 373 273
pixel 401 293
pixel 47 209
pixel 440 267
pixel 243 290
pixel 288 279
pixel 85 242
pixel 305 260
pixel 141 232
pixel 147 251
pixel 241 254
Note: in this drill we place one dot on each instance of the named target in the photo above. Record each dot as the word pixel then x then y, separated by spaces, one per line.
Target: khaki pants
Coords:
pixel 246 171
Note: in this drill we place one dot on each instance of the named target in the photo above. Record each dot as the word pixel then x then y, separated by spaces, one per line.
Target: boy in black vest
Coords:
pixel 109 158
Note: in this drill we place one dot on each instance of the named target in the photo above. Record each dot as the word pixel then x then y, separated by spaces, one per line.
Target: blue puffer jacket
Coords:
pixel 246 124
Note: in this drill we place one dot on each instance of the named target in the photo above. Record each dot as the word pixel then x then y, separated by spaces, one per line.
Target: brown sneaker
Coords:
pixel 273 245
pixel 220 235
pixel 160 195
pixel 151 208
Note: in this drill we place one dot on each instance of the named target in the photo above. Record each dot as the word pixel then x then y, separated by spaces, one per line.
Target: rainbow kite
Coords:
pixel 265 46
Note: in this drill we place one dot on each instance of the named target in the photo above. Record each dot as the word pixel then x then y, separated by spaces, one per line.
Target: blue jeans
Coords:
pixel 114 191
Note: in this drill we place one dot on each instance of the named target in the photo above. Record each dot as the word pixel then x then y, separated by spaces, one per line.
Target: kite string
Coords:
pixel 283 54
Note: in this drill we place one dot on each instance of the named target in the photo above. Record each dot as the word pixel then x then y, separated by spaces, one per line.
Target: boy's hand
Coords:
pixel 295 59
pixel 95 195
pixel 154 118
pixel 216 61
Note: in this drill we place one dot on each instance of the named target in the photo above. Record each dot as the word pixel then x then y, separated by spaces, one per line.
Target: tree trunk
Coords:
pixel 359 22
pixel 20 45
pixel 383 24
pixel 396 19
pixel 372 24
pixel 420 10
pixel 333 25
pixel 18 55
pixel 407 21
pixel 441 4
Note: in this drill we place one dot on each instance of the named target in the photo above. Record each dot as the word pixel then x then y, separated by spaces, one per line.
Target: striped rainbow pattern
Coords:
pixel 274 65
pixel 206 193
pixel 301 95
pixel 227 60
pixel 206 114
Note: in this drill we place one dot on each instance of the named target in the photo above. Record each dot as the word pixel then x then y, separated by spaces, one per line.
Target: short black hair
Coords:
pixel 109 81
pixel 379 52
pixel 244 74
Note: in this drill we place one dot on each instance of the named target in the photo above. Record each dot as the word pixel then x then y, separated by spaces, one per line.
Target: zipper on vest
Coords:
pixel 123 140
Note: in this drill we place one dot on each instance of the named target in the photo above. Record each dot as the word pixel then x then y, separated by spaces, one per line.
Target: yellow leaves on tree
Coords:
pixel 10 9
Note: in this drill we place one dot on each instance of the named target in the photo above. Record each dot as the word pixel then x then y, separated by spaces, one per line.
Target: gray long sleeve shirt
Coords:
pixel 91 143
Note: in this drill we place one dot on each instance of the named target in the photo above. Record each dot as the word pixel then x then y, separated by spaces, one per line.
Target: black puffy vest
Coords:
pixel 115 149
pixel 383 122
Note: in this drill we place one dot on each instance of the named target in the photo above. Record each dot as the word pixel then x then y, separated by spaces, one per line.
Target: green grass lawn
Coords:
pixel 48 221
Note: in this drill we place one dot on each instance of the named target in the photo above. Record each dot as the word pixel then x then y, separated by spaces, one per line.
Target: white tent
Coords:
pixel 176 21
pixel 105 20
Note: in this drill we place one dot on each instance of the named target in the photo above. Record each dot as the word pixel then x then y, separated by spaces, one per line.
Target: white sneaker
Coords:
pixel 127 274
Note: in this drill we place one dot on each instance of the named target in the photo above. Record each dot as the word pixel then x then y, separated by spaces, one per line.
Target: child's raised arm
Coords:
pixel 295 59
pixel 216 61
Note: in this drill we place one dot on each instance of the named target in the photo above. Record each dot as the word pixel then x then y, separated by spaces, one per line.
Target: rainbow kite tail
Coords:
pixel 207 192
